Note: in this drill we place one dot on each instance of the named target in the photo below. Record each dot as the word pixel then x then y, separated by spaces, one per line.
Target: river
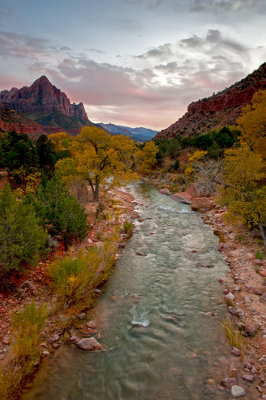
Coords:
pixel 159 317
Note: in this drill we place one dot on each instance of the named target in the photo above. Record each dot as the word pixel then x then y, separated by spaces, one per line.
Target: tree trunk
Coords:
pixel 92 189
pixel 262 233
pixel 96 190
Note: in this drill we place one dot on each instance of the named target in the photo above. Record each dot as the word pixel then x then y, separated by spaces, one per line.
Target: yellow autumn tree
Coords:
pixel 193 158
pixel 61 140
pixel 242 189
pixel 252 123
pixel 146 158
pixel 99 158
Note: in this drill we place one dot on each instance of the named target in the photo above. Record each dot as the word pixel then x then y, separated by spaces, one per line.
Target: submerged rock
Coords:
pixel 89 344
pixel 165 191
pixel 140 324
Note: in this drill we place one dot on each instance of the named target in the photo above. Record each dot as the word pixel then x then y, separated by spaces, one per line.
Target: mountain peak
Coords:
pixel 44 103
pixel 42 78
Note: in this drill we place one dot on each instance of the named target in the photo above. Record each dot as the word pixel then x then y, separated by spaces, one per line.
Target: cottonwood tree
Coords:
pixel 252 123
pixel 243 188
pixel 99 159
pixel 146 158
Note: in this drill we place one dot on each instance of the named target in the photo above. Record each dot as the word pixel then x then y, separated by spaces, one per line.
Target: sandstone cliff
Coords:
pixel 218 110
pixel 10 120
pixel 45 104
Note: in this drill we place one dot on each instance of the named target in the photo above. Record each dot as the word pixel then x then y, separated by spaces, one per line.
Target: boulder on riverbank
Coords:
pixel 182 197
pixel 201 204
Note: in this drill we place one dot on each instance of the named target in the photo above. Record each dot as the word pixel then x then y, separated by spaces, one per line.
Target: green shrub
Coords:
pixel 60 210
pixel 21 237
pixel 128 227
pixel 176 165
pixel 259 255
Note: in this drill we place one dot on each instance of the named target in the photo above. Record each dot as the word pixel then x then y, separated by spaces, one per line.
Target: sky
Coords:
pixel 132 62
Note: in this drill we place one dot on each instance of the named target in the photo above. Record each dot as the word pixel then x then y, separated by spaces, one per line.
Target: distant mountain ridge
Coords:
pixel 46 105
pixel 218 110
pixel 139 134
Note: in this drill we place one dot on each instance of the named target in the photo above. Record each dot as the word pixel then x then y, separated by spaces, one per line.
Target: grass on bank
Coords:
pixel 75 278
pixel 233 335
pixel 26 329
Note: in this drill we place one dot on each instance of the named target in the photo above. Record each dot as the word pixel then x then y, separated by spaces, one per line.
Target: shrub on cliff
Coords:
pixel 21 237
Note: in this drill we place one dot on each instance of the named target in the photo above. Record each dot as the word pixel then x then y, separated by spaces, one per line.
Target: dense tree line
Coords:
pixel 215 142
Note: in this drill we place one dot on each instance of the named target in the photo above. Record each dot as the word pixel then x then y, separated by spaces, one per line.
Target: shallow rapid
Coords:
pixel 159 317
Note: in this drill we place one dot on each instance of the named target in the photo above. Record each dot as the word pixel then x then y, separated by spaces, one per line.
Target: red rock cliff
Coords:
pixel 10 120
pixel 41 97
pixel 221 109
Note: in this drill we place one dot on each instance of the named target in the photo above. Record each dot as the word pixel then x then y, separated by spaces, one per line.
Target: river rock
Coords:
pixel 54 339
pixel 232 310
pixel 230 296
pixel 139 253
pixel 192 190
pixel 237 391
pixel 182 197
pixel 263 298
pixel 165 191
pixel 229 382
pixel 5 340
pixel 258 291
pixel 74 338
pixel 91 325
pixel 262 360
pixel 247 300
pixel 220 247
pixel 201 204
pixel 250 330
pixel 236 352
pixel 89 344
pixel 247 365
pixel 248 378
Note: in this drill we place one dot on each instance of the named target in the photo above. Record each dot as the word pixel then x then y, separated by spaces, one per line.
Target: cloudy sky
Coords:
pixel 132 62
